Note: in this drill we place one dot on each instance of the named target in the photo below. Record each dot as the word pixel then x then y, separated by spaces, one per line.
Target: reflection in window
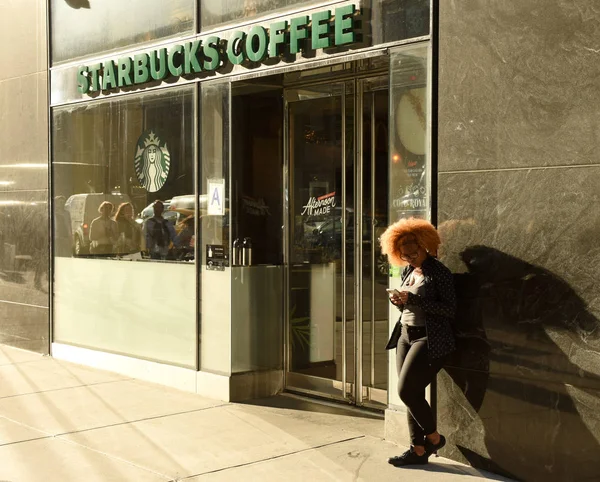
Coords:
pixel 383 20
pixel 213 228
pixel 124 178
pixel 393 20
pixel 410 164
pixel 257 160
pixel 217 12
pixel 84 27
pixel 316 156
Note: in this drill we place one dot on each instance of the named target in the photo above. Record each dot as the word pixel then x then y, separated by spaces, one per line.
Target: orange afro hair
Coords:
pixel 426 234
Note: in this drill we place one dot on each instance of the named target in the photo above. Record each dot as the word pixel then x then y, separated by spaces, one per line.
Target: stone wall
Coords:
pixel 519 214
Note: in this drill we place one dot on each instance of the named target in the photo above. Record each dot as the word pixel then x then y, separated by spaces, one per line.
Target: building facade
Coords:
pixel 518 179
pixel 281 139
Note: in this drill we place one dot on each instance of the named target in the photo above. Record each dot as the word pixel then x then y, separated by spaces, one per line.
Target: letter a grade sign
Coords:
pixel 216 199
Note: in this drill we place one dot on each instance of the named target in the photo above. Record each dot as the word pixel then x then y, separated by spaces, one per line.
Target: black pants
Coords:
pixel 415 372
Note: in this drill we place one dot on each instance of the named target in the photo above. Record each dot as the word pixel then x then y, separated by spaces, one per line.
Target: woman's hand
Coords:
pixel 397 299
pixel 403 297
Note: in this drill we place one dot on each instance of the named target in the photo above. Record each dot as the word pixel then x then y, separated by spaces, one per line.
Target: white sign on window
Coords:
pixel 216 197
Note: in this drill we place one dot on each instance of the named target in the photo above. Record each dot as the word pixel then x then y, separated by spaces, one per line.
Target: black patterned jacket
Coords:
pixel 439 305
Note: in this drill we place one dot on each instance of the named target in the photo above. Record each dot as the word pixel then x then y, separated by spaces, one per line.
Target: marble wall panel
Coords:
pixel 522 394
pixel 24 133
pixel 518 83
pixel 529 430
pixel 23 37
pixel 24 248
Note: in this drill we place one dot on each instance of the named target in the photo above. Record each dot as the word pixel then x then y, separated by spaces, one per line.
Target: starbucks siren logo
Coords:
pixel 152 162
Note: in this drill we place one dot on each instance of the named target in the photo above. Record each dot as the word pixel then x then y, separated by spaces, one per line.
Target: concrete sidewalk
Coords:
pixel 63 422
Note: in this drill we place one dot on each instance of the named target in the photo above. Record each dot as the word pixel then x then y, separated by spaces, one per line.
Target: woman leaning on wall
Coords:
pixel 423 335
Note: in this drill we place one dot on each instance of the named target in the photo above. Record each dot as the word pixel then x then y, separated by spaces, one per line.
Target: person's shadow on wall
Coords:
pixel 526 345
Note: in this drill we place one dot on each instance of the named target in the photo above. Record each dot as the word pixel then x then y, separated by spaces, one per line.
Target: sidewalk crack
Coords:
pixel 275 457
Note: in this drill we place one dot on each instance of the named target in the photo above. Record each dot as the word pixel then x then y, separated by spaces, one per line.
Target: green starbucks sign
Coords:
pixel 152 161
pixel 282 38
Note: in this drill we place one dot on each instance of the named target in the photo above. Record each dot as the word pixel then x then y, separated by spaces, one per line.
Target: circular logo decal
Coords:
pixel 152 162
pixel 411 120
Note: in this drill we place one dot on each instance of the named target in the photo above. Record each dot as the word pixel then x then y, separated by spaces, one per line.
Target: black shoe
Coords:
pixel 431 448
pixel 408 458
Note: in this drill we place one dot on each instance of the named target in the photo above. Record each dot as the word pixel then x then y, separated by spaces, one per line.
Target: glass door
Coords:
pixel 337 206
pixel 320 334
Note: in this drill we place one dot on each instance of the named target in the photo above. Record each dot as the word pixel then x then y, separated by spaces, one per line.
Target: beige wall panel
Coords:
pixel 23 36
pixel 24 133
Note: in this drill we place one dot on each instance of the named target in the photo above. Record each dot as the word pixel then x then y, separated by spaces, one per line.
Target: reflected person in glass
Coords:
pixel 186 238
pixel 160 233
pixel 423 335
pixel 63 234
pixel 130 235
pixel 103 231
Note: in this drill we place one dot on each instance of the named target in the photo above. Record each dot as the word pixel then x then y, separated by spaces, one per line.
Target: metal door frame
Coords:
pixel 371 393
pixel 361 391
pixel 358 241
pixel 352 392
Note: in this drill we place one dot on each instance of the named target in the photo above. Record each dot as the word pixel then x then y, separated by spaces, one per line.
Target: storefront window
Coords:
pixel 124 225
pixel 112 162
pixel 85 27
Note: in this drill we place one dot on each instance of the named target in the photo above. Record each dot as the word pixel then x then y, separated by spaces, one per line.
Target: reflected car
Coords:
pixel 180 210
pixel 148 212
pixel 183 204
pixel 83 209
pixel 176 209
pixel 328 238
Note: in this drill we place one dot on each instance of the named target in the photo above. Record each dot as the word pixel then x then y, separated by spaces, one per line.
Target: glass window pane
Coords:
pixel 214 185
pixel 392 20
pixel 213 229
pixel 256 217
pixel 409 167
pixel 123 260
pixel 85 27
pixel 217 12
pixel 384 20
pixel 257 164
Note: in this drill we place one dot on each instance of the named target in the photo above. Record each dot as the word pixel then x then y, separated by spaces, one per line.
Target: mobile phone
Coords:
pixel 393 291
